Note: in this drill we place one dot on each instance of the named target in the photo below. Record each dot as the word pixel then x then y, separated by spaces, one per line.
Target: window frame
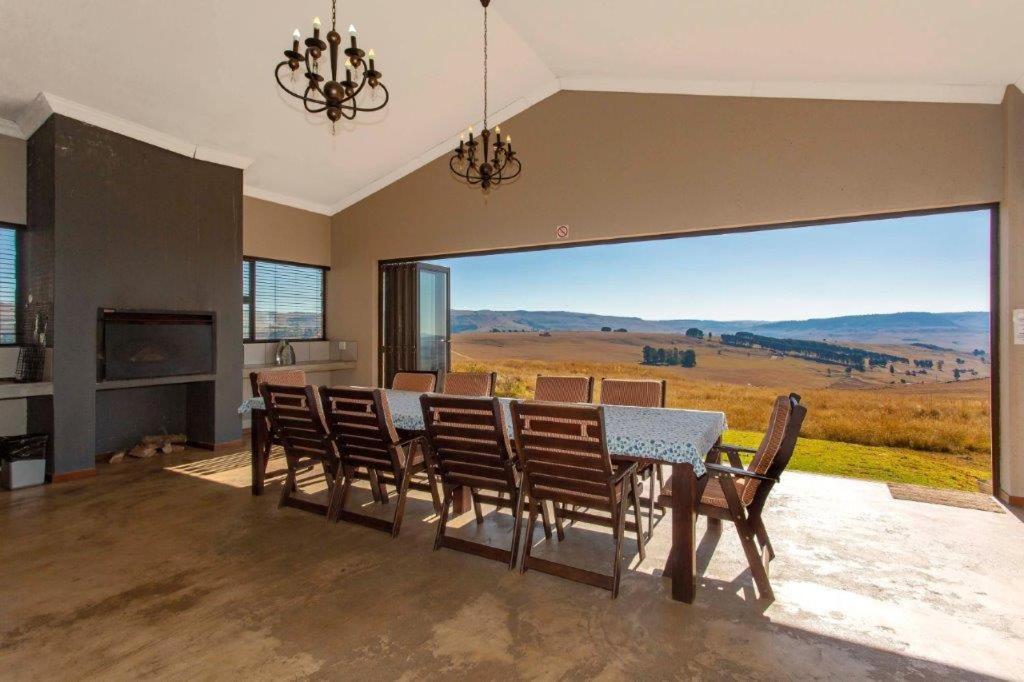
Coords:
pixel 249 335
pixel 18 231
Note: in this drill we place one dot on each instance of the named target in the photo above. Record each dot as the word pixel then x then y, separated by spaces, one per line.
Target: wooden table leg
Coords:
pixel 257 434
pixel 682 562
pixel 461 502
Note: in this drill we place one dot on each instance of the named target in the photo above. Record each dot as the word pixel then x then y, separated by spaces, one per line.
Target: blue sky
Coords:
pixel 936 263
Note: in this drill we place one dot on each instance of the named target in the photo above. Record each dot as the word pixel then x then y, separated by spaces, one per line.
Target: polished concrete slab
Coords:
pixel 169 568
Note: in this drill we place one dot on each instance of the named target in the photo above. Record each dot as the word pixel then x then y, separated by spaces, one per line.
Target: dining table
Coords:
pixel 680 438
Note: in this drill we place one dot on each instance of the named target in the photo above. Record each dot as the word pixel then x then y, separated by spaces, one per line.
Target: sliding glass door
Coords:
pixel 415 319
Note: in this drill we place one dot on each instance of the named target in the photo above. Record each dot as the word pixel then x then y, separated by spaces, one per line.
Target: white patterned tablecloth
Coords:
pixel 662 434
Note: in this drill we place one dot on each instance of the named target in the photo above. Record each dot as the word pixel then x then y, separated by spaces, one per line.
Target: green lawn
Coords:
pixel 938 470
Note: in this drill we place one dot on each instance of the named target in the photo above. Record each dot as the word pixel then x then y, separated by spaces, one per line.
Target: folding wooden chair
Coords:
pixel 285 377
pixel 296 423
pixel 738 494
pixel 416 381
pixel 564 389
pixel 359 423
pixel 639 393
pixel 469 384
pixel 565 460
pixel 469 447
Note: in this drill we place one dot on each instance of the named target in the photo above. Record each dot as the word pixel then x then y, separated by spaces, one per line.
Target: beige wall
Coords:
pixel 1011 292
pixel 272 230
pixel 613 165
pixel 12 180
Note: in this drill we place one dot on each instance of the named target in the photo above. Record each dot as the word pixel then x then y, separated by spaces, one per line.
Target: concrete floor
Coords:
pixel 170 568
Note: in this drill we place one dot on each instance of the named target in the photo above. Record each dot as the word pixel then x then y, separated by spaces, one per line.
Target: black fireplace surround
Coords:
pixel 146 344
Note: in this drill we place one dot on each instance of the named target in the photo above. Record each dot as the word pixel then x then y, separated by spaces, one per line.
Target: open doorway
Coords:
pixel 883 325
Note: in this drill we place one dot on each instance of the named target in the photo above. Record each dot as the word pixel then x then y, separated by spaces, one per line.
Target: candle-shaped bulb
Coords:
pixel 351 29
pixel 471 130
pixel 317 23
pixel 497 131
pixel 297 34
pixel 508 139
pixel 462 137
pixel 371 54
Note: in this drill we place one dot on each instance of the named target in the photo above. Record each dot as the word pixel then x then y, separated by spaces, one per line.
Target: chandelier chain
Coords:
pixel 334 15
pixel 485 68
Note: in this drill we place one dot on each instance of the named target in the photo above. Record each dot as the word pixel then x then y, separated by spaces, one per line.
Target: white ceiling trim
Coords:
pixel 46 104
pixel 286 200
pixel 447 145
pixel 10 129
pixel 882 92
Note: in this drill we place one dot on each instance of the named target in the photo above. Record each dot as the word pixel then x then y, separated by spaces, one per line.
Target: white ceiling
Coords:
pixel 199 73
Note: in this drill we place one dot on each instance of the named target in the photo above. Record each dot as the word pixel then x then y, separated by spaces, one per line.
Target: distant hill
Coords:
pixel 966 330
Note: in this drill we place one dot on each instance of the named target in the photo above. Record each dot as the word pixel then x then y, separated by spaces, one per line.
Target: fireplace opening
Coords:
pixel 152 344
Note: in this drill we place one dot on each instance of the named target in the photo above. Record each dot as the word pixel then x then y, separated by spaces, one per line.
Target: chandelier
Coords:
pixel 337 98
pixel 497 162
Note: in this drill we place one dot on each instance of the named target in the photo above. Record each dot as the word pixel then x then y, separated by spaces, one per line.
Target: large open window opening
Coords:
pixel 884 326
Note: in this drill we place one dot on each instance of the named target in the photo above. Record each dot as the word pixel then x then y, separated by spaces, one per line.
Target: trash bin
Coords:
pixel 23 460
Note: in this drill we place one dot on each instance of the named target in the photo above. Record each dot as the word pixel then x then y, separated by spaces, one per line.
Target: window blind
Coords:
pixel 246 300
pixel 285 301
pixel 8 284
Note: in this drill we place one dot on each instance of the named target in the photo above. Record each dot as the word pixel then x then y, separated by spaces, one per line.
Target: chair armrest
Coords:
pixel 735 448
pixel 631 469
pixel 733 471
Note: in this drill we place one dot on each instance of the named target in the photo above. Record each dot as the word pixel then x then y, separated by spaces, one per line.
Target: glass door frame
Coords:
pixel 412 296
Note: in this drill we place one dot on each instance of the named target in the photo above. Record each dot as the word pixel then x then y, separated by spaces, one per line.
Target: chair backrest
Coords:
pixel 418 382
pixel 296 422
pixel 359 422
pixel 469 441
pixel 278 377
pixel 633 392
pixel 470 384
pixel 775 450
pixel 564 389
pixel 564 454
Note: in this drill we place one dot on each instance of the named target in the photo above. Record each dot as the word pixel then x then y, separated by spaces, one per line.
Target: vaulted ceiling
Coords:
pixel 200 73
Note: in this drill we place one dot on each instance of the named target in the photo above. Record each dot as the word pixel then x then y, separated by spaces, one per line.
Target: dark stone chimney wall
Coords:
pixel 139 227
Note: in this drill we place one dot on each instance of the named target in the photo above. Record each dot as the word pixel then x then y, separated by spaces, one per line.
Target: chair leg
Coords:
pixel 636 517
pixel 477 510
pixel 336 488
pixel 442 520
pixel 346 485
pixel 739 518
pixel 620 532
pixel 517 522
pixel 545 519
pixel 432 482
pixel 530 525
pixel 560 531
pixel 288 487
pixel 762 536
pixel 403 491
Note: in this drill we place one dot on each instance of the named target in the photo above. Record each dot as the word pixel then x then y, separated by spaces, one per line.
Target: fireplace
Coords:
pixel 135 344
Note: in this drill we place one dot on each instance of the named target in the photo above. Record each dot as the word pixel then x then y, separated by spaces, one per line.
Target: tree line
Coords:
pixel 669 356
pixel 818 351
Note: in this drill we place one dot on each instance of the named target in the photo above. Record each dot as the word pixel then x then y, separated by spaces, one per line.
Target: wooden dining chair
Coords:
pixel 287 377
pixel 564 389
pixel 297 424
pixel 639 393
pixel 469 384
pixel 738 494
pixel 360 425
pixel 469 447
pixel 565 460
pixel 416 381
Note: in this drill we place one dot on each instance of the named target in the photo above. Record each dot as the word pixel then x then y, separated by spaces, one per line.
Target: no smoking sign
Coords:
pixel 562 232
